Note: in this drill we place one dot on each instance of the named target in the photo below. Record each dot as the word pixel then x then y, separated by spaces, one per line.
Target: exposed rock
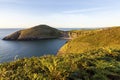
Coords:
pixel 13 36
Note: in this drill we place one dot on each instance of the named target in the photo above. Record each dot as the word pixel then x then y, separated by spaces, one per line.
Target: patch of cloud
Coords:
pixel 85 10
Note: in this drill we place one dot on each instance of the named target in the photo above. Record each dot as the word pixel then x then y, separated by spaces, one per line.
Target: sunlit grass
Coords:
pixel 99 64
pixel 92 39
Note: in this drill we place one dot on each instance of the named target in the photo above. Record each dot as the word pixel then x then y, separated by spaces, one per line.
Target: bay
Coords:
pixel 10 50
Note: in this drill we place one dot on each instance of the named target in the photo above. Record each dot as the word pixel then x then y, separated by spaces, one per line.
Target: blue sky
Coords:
pixel 59 13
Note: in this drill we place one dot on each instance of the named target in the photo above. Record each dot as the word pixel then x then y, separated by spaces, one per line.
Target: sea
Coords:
pixel 12 50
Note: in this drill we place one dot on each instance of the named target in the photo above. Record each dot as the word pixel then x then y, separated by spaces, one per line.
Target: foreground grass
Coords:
pixel 101 64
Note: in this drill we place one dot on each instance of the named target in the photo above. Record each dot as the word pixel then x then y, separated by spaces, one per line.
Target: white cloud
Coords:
pixel 85 10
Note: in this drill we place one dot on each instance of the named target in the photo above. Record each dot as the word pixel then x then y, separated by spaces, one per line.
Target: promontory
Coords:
pixel 35 33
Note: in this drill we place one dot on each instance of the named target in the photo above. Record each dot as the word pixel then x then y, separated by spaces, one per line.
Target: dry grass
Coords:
pixel 93 39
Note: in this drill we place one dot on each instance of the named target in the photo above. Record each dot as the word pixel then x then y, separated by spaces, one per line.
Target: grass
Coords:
pixel 40 31
pixel 92 39
pixel 35 33
pixel 98 64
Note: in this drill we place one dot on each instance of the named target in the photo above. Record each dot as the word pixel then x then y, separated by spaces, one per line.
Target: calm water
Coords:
pixel 19 49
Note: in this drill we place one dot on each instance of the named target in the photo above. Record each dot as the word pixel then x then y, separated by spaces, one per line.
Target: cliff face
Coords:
pixel 87 40
pixel 13 36
pixel 35 33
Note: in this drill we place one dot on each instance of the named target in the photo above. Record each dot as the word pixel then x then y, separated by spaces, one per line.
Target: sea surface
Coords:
pixel 11 50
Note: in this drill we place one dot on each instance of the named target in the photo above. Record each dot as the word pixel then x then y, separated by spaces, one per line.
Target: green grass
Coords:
pixel 35 33
pixel 40 31
pixel 98 64
pixel 86 40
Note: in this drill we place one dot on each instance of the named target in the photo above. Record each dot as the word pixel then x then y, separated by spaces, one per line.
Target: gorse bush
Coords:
pixel 100 64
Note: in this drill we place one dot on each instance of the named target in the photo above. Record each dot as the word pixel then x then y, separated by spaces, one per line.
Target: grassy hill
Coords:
pixel 98 64
pixel 35 33
pixel 85 40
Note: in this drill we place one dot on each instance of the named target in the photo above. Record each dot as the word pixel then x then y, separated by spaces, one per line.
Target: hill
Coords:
pixel 85 40
pixel 35 33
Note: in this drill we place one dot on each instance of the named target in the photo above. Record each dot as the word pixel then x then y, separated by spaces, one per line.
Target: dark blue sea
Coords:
pixel 10 50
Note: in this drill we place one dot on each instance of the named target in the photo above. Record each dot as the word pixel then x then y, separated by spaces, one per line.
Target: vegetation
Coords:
pixel 90 55
pixel 101 64
pixel 35 33
pixel 85 40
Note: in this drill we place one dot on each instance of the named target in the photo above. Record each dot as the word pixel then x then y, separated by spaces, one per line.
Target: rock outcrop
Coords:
pixel 35 33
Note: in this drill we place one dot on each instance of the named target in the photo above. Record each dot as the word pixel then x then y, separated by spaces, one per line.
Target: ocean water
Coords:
pixel 10 50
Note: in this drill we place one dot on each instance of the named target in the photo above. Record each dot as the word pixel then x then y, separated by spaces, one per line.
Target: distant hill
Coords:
pixel 86 40
pixel 35 33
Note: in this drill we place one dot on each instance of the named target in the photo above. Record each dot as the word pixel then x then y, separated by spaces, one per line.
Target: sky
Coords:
pixel 59 13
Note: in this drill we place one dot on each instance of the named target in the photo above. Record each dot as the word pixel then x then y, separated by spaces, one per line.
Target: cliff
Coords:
pixel 35 33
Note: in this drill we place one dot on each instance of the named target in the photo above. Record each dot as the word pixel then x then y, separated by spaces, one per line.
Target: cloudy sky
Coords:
pixel 59 13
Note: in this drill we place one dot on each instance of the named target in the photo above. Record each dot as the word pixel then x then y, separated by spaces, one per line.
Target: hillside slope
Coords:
pixel 35 33
pixel 86 40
